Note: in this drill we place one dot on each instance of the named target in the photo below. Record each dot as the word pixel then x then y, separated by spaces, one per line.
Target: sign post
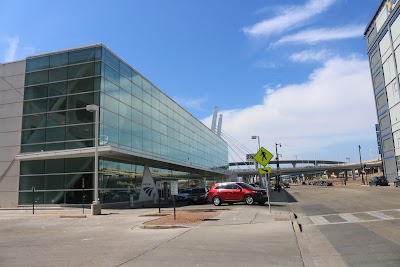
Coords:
pixel 263 157
pixel 158 187
pixel 33 200
pixel 83 195
pixel 266 171
pixel 174 192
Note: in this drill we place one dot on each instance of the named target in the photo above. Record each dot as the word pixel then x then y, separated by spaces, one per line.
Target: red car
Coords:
pixel 236 192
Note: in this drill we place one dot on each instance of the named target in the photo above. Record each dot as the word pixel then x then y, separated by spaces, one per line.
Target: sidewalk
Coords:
pixel 242 235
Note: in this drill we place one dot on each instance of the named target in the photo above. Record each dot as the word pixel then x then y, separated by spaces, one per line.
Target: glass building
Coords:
pixel 140 127
pixel 383 39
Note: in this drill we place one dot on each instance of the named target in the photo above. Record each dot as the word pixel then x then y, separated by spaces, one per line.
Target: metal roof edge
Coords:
pixel 373 18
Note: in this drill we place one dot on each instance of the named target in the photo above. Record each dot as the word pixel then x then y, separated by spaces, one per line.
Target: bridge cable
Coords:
pixel 238 146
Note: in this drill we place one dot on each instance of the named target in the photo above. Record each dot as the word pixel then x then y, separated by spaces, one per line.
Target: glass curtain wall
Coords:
pixel 134 115
pixel 137 116
pixel 57 89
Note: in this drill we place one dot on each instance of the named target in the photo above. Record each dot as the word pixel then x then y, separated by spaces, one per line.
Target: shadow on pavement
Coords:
pixel 283 196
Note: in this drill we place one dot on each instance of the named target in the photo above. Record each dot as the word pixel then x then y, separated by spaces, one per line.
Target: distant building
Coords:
pixel 146 140
pixel 383 38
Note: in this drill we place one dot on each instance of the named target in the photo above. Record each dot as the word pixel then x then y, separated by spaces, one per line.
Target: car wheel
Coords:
pixel 261 203
pixel 216 201
pixel 249 200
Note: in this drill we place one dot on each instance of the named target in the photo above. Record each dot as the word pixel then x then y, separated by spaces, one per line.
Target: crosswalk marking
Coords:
pixel 352 217
pixel 380 215
pixel 318 220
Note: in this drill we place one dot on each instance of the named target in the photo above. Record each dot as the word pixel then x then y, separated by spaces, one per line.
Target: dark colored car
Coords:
pixel 286 184
pixel 255 185
pixel 382 181
pixel 232 192
pixel 396 181
pixel 325 183
pixel 183 194
pixel 198 195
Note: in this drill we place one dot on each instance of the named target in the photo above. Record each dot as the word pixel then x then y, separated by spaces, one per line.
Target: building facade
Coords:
pixel 146 139
pixel 383 39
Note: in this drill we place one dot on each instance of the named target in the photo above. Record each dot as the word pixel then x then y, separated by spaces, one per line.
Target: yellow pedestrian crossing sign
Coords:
pixel 263 156
pixel 265 170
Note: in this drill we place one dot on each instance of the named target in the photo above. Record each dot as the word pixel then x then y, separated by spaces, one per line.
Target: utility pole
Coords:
pixel 255 162
pixel 361 167
pixel 278 178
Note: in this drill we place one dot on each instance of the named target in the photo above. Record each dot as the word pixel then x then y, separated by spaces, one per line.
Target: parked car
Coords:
pixel 325 183
pixel 232 192
pixel 381 180
pixel 396 181
pixel 198 195
pixel 183 194
pixel 286 184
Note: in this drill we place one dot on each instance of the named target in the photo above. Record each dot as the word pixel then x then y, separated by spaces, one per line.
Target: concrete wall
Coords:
pixel 12 79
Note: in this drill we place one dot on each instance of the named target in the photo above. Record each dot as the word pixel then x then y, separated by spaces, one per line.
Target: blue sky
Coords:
pixel 293 72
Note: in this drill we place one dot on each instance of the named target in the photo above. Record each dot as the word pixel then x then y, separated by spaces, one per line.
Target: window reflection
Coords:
pixel 36 77
pixel 38 63
pixel 80 132
pixel 80 56
pixel 79 71
pixel 81 85
pixel 58 60
pixel 56 89
pixel 34 121
pixel 33 92
pixel 59 74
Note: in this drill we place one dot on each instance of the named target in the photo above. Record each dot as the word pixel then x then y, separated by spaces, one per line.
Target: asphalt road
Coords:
pixel 359 224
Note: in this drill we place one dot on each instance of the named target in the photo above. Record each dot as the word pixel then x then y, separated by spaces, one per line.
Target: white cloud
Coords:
pixel 12 46
pixel 333 108
pixel 319 35
pixel 290 17
pixel 13 50
pixel 191 103
pixel 309 55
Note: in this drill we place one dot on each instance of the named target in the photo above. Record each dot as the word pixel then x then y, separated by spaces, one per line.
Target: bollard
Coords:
pixel 33 200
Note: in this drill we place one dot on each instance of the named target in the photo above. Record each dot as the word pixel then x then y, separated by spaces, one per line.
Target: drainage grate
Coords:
pixel 282 219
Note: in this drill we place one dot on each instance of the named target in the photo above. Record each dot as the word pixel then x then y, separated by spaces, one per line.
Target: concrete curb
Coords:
pixel 162 226
pixel 73 216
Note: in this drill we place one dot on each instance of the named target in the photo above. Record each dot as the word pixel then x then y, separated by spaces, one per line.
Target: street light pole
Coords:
pixel 278 178
pixel 256 164
pixel 96 206
pixel 361 167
